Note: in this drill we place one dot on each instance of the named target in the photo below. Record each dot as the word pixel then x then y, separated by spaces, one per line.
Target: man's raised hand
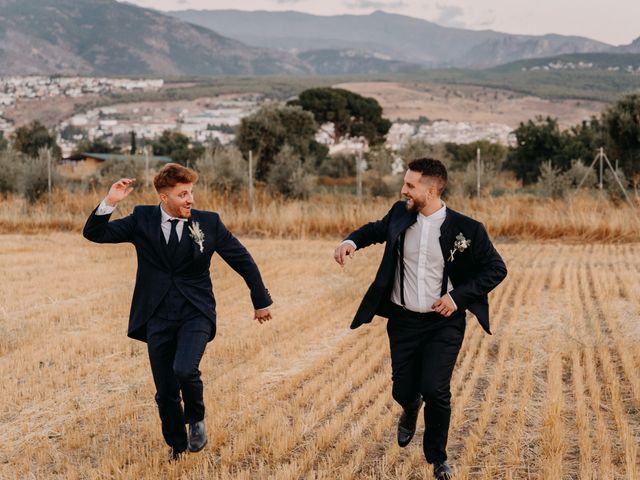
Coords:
pixel 119 191
pixel 343 251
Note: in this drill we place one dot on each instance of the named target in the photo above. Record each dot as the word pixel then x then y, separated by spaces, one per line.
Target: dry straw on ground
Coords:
pixel 554 393
pixel 582 218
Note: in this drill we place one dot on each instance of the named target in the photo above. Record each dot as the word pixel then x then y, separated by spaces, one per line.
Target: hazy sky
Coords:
pixel 612 21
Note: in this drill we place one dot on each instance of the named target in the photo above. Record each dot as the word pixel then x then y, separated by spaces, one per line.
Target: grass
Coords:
pixel 552 394
pixel 582 218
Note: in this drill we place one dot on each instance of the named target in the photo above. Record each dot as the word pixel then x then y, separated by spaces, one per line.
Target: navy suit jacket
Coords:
pixel 473 273
pixel 191 276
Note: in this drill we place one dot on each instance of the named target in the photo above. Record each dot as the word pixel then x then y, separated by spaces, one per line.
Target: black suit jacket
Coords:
pixel 473 273
pixel 156 271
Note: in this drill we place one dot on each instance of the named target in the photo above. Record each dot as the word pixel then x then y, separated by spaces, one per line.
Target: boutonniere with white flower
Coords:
pixel 460 245
pixel 197 235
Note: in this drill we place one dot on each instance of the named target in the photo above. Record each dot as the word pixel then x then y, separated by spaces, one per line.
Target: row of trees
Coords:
pixel 30 139
pixel 282 139
pixel 539 141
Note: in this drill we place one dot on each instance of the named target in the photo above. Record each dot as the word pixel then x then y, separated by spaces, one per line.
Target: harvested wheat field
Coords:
pixel 553 394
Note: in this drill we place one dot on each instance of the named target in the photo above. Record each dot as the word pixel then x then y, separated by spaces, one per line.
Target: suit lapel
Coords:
pixel 188 250
pixel 446 241
pixel 401 224
pixel 194 250
pixel 447 235
pixel 184 247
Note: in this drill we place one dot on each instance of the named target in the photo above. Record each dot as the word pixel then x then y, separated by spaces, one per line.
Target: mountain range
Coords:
pixel 106 37
pixel 389 35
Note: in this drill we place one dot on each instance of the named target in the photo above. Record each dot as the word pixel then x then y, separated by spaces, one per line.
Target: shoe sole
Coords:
pixel 199 449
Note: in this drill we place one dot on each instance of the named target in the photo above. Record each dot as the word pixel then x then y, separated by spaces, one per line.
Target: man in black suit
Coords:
pixel 173 308
pixel 437 263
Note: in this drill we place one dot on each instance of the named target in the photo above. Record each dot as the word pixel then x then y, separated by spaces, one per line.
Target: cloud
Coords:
pixel 183 2
pixel 360 4
pixel 283 2
pixel 450 16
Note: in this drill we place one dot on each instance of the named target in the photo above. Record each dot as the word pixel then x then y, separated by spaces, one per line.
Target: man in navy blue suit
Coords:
pixel 173 308
pixel 437 263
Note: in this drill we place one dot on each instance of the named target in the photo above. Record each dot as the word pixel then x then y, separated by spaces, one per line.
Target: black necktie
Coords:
pixel 173 237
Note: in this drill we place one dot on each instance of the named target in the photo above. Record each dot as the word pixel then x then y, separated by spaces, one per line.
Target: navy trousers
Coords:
pixel 424 348
pixel 176 346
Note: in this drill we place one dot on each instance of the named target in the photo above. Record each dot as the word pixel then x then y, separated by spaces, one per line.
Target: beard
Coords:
pixel 414 205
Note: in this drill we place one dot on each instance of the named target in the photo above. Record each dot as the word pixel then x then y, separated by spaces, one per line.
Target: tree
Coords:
pixel 622 124
pixel 380 160
pixel 266 131
pixel 289 177
pixel 223 168
pixel 581 142
pixel 72 133
pixel 30 139
pixel 4 144
pixel 537 142
pixel 177 146
pixel 134 146
pixel 463 154
pixel 97 145
pixel 34 181
pixel 351 114
pixel 419 148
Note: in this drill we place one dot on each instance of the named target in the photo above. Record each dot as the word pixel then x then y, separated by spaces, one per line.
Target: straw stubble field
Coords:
pixel 554 393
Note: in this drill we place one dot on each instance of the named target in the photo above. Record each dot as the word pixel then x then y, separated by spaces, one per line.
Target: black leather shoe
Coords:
pixel 175 455
pixel 407 424
pixel 197 436
pixel 442 471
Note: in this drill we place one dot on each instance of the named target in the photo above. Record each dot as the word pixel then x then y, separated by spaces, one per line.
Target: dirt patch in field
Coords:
pixel 50 111
pixel 470 104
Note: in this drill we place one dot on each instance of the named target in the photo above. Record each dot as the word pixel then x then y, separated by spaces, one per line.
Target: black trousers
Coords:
pixel 175 350
pixel 424 348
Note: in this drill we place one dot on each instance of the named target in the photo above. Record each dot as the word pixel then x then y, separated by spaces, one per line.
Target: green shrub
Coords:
pixel 223 168
pixel 338 166
pixel 10 162
pixel 288 175
pixel 34 177
pixel 552 182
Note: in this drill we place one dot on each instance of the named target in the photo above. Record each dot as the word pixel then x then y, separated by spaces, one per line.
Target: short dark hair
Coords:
pixel 430 167
pixel 172 174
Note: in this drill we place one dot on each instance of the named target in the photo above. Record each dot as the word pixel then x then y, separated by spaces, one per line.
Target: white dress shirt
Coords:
pixel 423 264
pixel 104 209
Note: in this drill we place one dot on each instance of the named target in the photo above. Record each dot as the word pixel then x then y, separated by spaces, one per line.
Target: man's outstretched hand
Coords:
pixel 343 251
pixel 262 315
pixel 119 191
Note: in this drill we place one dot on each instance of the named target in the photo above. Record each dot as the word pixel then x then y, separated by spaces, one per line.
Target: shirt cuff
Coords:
pixel 453 301
pixel 350 242
pixel 104 209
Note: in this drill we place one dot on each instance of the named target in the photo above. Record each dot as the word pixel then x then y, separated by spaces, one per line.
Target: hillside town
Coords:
pixel 202 120
pixel 39 87
pixel 560 65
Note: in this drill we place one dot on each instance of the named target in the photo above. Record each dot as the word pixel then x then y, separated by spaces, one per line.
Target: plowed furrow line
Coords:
pixel 603 435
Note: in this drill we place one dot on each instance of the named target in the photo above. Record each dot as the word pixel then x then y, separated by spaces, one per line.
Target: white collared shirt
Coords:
pixel 165 224
pixel 423 264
